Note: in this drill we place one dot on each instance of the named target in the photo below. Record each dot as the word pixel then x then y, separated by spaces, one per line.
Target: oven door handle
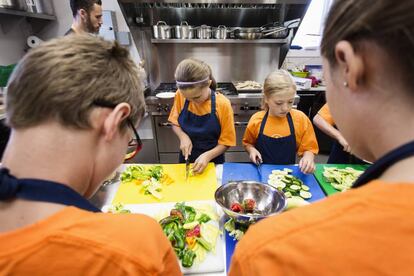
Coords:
pixel 241 124
pixel 166 124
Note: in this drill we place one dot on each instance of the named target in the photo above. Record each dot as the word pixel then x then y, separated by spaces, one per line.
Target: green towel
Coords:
pixel 5 72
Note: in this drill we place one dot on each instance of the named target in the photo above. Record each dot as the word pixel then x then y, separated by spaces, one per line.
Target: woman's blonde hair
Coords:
pixel 63 78
pixel 278 82
pixel 194 70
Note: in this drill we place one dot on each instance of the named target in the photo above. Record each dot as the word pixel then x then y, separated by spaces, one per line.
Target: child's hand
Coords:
pixel 307 164
pixel 201 163
pixel 254 155
pixel 185 145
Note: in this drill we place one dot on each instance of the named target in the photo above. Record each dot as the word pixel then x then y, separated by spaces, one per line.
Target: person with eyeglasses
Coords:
pixel 73 104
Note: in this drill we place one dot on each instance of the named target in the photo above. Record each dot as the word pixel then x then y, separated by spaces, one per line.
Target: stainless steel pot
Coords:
pixel 248 33
pixel 203 32
pixel 161 30
pixel 10 4
pixel 278 31
pixel 184 31
pixel 220 32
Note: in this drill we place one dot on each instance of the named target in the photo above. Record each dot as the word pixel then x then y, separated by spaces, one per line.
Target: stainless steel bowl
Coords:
pixel 269 201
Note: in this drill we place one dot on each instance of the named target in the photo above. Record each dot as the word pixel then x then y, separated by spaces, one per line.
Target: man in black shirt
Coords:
pixel 87 16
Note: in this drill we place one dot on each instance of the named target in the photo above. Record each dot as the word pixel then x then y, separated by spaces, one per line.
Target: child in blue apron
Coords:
pixel 202 119
pixel 278 133
pixel 341 151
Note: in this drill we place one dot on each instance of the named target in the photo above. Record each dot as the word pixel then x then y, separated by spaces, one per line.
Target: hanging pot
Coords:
pixel 220 32
pixel 203 32
pixel 161 30
pixel 184 31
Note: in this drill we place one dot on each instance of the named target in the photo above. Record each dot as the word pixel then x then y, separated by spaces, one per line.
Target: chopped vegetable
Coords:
pixel 236 207
pixel 289 184
pixel 249 205
pixel 118 209
pixel 190 233
pixel 235 232
pixel 341 179
pixel 295 201
pixel 150 178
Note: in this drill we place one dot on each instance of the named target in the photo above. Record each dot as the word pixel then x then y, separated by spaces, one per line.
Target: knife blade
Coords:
pixel 187 168
pixel 259 167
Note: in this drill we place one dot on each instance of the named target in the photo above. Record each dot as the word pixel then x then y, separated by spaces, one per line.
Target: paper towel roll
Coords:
pixel 33 41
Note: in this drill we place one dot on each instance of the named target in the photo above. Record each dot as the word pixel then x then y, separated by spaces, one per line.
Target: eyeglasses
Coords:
pixel 134 143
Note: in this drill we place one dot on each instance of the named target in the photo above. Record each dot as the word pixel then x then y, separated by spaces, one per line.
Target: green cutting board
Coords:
pixel 326 186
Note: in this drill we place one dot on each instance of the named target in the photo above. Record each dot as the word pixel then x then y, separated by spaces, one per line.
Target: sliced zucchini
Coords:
pixel 295 187
pixel 288 194
pixel 305 188
pixel 305 194
pixel 288 170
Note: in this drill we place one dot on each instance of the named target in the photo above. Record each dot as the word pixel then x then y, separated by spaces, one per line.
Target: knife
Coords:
pixel 187 168
pixel 259 167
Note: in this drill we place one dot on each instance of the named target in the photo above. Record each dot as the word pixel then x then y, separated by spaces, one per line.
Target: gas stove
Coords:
pixel 226 88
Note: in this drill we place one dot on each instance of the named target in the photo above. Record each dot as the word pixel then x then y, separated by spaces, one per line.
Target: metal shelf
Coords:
pixel 236 41
pixel 27 14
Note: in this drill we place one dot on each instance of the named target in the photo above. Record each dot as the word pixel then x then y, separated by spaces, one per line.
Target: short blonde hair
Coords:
pixel 278 82
pixel 193 70
pixel 61 79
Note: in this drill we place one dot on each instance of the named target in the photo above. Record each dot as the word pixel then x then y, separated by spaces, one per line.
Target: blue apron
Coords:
pixel 204 131
pixel 41 190
pixel 339 156
pixel 382 164
pixel 281 151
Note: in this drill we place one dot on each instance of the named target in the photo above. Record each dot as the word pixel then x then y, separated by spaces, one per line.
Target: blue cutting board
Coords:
pixel 248 171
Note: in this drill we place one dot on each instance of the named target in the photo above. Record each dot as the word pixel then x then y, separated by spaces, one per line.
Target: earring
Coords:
pixel 345 84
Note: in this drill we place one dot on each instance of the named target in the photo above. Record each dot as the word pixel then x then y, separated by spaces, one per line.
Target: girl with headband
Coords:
pixel 202 119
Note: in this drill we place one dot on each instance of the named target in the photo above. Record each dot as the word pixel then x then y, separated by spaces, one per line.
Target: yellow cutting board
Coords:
pixel 198 187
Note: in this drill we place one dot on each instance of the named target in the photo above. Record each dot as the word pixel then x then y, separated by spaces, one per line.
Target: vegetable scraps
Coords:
pixel 118 209
pixel 341 179
pixel 190 232
pixel 150 178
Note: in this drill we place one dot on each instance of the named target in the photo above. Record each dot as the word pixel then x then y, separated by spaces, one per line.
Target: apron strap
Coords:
pixel 41 190
pixel 382 164
pixel 289 119
pixel 9 186
pixel 262 125
pixel 213 102
pixel 291 126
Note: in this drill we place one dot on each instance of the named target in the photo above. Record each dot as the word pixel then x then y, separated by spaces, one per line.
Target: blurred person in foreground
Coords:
pixel 368 66
pixel 73 105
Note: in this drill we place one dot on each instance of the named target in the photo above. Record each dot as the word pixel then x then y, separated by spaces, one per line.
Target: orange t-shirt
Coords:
pixel 325 113
pixel 77 242
pixel 279 127
pixel 224 114
pixel 366 231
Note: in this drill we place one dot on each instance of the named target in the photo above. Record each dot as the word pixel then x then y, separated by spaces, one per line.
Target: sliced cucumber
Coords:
pixel 295 187
pixel 305 188
pixel 288 194
pixel 288 170
pixel 305 194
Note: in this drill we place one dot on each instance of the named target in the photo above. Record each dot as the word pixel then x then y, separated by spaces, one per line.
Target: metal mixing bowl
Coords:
pixel 269 200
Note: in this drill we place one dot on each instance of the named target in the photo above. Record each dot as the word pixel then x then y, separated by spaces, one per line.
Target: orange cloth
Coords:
pixel 224 114
pixel 77 242
pixel 279 127
pixel 325 113
pixel 366 231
